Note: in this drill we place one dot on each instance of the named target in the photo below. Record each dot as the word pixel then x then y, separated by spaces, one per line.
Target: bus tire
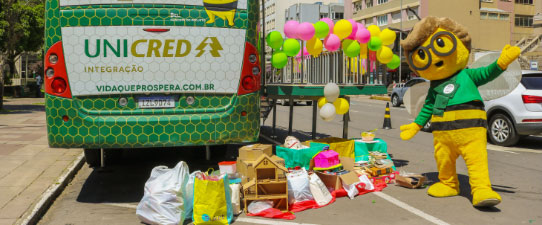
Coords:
pixel 92 157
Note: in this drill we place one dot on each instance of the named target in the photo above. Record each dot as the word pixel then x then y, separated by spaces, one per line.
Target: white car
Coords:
pixel 517 114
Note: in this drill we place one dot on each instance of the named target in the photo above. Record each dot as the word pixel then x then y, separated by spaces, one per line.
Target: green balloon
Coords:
pixel 321 29
pixel 274 40
pixel 279 59
pixel 291 47
pixel 350 48
pixel 375 43
pixel 395 62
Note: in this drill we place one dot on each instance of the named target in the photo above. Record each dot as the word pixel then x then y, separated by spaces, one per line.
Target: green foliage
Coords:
pixel 21 26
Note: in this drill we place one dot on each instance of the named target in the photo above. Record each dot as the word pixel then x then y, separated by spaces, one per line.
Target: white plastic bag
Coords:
pixel 364 183
pixel 258 206
pixel 299 186
pixel 162 202
pixel 319 190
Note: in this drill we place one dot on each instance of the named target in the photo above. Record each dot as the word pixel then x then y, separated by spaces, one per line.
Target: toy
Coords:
pixel 368 135
pixel 438 49
pixel 326 160
pixel 269 184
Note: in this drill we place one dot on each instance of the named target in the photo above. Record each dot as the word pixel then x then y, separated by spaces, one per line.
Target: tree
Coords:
pixel 21 29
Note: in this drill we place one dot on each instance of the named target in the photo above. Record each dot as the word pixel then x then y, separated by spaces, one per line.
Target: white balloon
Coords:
pixel 332 92
pixel 329 118
pixel 327 111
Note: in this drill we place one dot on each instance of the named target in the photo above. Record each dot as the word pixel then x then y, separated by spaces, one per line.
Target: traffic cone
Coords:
pixel 387 118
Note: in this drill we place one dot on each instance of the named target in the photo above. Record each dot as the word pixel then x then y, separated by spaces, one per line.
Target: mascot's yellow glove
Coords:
pixel 409 130
pixel 508 55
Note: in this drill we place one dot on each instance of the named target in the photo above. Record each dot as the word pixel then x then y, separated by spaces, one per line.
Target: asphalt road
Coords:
pixel 110 196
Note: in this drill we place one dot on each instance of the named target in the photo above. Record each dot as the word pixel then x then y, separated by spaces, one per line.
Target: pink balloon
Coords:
pixel 290 28
pixel 332 42
pixel 305 52
pixel 305 31
pixel 363 35
pixel 354 29
pixel 330 24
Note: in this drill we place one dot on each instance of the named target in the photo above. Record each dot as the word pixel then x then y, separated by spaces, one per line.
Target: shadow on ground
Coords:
pixel 465 188
pixel 20 109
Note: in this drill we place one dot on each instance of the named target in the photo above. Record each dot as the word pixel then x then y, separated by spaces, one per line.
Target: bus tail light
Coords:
pixel 250 74
pixel 59 85
pixel 56 77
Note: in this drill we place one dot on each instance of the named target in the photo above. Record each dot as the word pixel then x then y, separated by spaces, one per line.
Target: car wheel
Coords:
pixel 502 131
pixel 395 101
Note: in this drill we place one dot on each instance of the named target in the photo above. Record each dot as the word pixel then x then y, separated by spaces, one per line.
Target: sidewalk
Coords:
pixel 29 169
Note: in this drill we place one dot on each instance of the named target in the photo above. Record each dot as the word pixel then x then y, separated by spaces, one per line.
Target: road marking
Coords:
pixel 410 208
pixel 512 149
pixel 270 222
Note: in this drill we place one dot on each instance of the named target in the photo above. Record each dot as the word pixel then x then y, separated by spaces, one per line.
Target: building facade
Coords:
pixel 312 13
pixel 491 23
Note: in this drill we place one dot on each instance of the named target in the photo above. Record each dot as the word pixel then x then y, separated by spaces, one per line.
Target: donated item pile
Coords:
pixel 303 175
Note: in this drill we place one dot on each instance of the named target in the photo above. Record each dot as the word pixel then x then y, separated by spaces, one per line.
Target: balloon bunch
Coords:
pixel 352 37
pixel 331 104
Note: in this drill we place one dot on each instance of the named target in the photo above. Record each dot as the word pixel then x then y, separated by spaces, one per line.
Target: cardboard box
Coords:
pixel 335 182
pixel 252 152
pixel 380 171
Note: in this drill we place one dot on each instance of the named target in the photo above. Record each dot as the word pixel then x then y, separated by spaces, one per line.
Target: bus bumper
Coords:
pixel 69 127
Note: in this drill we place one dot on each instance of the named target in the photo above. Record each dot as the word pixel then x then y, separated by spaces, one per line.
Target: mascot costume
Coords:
pixel 438 49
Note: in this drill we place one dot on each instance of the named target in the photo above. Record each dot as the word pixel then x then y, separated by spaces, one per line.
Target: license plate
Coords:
pixel 156 102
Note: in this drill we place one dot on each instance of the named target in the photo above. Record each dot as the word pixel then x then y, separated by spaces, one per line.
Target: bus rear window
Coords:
pixel 532 81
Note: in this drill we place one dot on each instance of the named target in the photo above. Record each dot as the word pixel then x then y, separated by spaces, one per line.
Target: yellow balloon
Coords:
pixel 321 102
pixel 363 50
pixel 374 30
pixel 343 29
pixel 384 55
pixel 387 36
pixel 341 106
pixel 315 46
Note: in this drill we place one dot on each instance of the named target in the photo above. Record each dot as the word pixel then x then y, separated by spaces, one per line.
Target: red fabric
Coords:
pixel 274 214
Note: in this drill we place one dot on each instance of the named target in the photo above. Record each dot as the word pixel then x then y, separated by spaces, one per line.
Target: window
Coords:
pixel 381 2
pixel 338 16
pixel 412 16
pixel 525 2
pixel 382 20
pixel 504 16
pixel 357 6
pixel 487 0
pixel 368 3
pixel 483 15
pixel 493 16
pixel 396 17
pixel 523 21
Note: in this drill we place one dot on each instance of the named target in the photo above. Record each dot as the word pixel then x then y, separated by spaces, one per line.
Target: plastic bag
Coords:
pixel 299 186
pixel 162 202
pixel 256 207
pixel 212 200
pixel 319 190
pixel 351 190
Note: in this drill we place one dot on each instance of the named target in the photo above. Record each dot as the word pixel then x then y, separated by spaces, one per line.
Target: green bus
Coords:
pixel 151 73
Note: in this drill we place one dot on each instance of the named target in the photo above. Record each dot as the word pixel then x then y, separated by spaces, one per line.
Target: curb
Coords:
pixel 383 98
pixel 50 195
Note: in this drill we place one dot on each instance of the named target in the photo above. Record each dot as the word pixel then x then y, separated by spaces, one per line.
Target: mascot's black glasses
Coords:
pixel 422 52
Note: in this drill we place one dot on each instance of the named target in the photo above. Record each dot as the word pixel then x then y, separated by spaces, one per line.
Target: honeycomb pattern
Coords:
pixel 99 122
pixel 221 73
pixel 241 4
pixel 149 128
